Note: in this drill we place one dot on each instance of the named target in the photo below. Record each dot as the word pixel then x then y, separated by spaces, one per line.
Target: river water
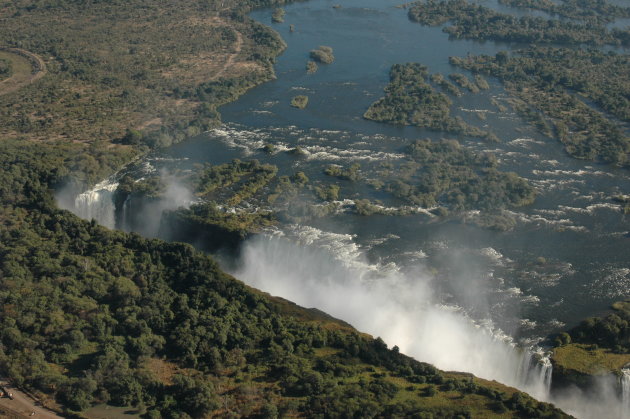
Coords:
pixel 574 225
pixel 414 279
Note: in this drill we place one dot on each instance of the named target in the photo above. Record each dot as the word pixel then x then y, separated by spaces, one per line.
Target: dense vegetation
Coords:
pixel 439 80
pixel 596 346
pixel 595 11
pixel 546 81
pixel 323 54
pixel 464 82
pixel 311 67
pixel 473 21
pixel 410 100
pixel 91 315
pixel 278 15
pixel 611 331
pixel 299 101
pixel 116 66
pixel 445 173
pixel 6 70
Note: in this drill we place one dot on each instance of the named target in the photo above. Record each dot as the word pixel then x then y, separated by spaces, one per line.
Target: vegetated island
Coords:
pixel 593 11
pixel 577 96
pixel 464 82
pixel 299 101
pixel 311 67
pixel 474 21
pixel 323 55
pixel 240 198
pixel 410 100
pixel 447 173
pixel 278 15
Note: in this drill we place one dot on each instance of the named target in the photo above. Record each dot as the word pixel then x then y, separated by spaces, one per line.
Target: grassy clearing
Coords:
pixel 587 360
pixel 22 72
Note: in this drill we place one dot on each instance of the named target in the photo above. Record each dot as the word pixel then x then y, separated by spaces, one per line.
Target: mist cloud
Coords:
pixel 328 271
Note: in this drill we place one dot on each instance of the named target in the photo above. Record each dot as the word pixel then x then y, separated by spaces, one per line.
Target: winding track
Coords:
pixel 19 80
pixel 238 45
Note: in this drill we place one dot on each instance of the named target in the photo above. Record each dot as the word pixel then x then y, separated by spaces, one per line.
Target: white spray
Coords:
pixel 328 271
pixel 625 392
pixel 96 203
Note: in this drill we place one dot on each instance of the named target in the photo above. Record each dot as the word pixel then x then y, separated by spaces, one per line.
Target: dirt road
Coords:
pixel 22 404
pixel 238 45
pixel 28 68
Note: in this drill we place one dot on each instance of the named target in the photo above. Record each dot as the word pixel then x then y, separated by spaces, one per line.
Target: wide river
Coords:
pixel 574 224
pixel 441 290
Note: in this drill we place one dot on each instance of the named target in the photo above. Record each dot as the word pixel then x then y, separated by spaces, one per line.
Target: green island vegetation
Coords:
pixel 240 198
pixel 351 173
pixel 464 82
pixel 495 220
pixel 447 86
pixel 278 15
pixel 323 55
pixel 299 101
pixel 474 21
pixel 598 345
pixel 446 174
pixel 595 11
pixel 576 96
pixel 234 200
pixel 210 222
pixel 444 177
pixel 482 83
pixel 297 151
pixel 92 316
pixel 311 67
pixel 410 100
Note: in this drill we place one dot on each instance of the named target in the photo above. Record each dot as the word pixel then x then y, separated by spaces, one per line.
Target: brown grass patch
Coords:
pixel 162 370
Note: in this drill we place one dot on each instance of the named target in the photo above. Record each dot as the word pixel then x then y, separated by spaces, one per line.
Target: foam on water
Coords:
pixel 614 282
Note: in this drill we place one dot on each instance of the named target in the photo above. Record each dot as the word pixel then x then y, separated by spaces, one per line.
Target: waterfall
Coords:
pixel 534 374
pixel 540 376
pixel 328 270
pixel 625 393
pixel 123 221
pixel 97 203
pixel 546 373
